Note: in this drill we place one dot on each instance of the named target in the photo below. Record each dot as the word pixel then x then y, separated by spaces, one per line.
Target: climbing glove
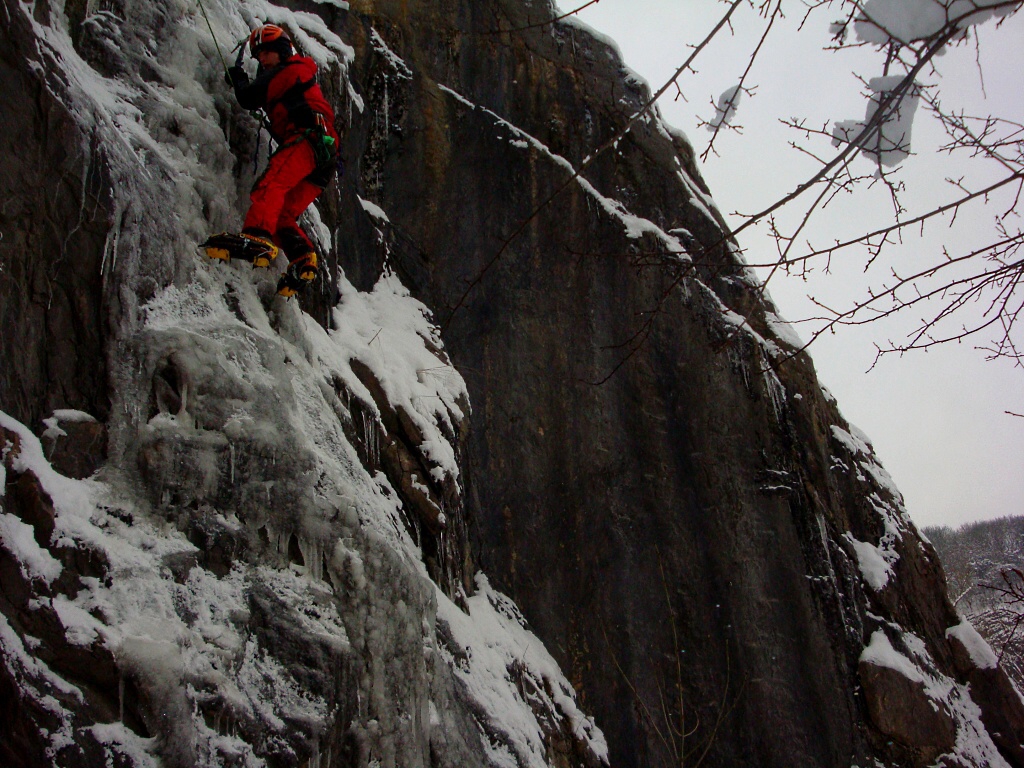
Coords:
pixel 236 77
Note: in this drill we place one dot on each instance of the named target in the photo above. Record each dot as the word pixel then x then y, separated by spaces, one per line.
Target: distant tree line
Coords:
pixel 984 564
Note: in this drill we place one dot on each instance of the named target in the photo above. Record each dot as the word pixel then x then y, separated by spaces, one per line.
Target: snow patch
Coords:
pixel 890 143
pixel 374 210
pixel 64 416
pixel 491 647
pixel 397 62
pixel 880 652
pixel 392 334
pixel 973 744
pixel 784 330
pixel 859 445
pixel 876 562
pixel 34 561
pixel 980 651
pixel 121 740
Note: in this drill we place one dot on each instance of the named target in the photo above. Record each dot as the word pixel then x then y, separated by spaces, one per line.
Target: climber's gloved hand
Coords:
pixel 236 77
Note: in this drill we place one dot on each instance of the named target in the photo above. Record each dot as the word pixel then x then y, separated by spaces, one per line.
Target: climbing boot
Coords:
pixel 220 246
pixel 300 273
pixel 256 249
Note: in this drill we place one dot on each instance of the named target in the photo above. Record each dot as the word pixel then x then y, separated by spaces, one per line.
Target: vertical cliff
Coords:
pixel 684 516
pixel 291 546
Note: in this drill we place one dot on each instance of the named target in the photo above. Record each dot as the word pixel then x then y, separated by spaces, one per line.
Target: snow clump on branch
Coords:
pixel 725 110
pixel 905 21
pixel 900 23
pixel 889 145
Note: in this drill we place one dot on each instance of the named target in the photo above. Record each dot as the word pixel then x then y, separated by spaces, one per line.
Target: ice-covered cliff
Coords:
pixel 270 567
pixel 240 530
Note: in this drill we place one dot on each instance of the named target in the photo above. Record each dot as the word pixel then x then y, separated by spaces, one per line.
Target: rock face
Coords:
pixel 705 501
pixel 902 707
pixel 55 224
pixel 281 559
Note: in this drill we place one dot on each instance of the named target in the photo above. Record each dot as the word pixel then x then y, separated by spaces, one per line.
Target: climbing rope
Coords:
pixel 220 53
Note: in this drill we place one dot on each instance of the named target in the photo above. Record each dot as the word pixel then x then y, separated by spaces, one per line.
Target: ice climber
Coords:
pixel 301 122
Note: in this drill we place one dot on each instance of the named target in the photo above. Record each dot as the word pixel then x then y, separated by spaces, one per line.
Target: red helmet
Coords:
pixel 270 37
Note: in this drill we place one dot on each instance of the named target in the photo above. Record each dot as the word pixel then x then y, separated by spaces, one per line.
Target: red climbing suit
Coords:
pixel 280 196
pixel 299 116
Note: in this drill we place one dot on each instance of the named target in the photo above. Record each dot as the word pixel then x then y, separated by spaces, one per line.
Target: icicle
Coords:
pixel 445 576
pixel 366 440
pixel 375 442
pixel 314 758
pixel 110 247
pixel 776 394
pixel 831 568
pixel 275 538
pixel 231 450
pixel 313 557
pixel 120 697
pixel 371 441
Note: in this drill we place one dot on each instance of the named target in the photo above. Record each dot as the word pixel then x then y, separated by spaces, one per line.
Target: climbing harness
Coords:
pixel 322 143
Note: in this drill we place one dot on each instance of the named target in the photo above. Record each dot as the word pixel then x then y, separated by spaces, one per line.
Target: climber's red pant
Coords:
pixel 280 196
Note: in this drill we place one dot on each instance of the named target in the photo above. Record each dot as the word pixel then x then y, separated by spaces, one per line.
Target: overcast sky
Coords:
pixel 937 419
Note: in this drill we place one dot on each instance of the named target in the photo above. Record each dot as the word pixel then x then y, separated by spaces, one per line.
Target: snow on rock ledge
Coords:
pixel 912 702
pixel 492 645
pixel 979 651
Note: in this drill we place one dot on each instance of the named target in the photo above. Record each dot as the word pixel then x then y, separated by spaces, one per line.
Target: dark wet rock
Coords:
pixel 75 443
pixel 54 333
pixel 902 709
